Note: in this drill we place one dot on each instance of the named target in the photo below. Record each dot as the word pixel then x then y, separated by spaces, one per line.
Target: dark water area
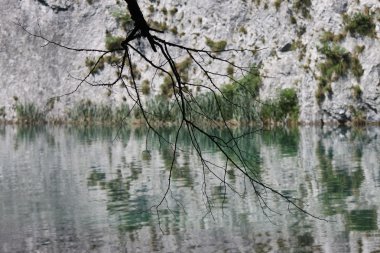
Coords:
pixel 66 189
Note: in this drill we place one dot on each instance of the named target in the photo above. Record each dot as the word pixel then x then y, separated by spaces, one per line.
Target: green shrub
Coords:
pixel 338 62
pixel 359 49
pixel 284 107
pixel 356 67
pixel 164 11
pixel 173 11
pixel 216 46
pixel 358 117
pixel 86 112
pixel 174 30
pixel 123 18
pixel 293 20
pixel 230 70
pixel 357 91
pixel 160 26
pixel 167 87
pixel 360 24
pixel 112 59
pixel 2 112
pixel 113 43
pixel 243 30
pixel 302 6
pixel 248 84
pixel 320 95
pixel 160 109
pixel 151 8
pixel 145 87
pixel 328 36
pixel 277 4
pixel 29 113
pixel 121 113
pixel 94 65
pixel 288 103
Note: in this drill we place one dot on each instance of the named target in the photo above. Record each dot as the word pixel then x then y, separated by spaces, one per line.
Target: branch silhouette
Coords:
pixel 192 117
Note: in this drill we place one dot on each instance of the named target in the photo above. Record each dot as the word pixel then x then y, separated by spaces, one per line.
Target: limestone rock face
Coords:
pixel 288 38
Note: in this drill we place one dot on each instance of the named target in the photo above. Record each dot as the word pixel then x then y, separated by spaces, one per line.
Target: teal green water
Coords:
pixel 98 189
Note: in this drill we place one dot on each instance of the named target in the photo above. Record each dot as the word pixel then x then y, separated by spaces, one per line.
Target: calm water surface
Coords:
pixel 95 190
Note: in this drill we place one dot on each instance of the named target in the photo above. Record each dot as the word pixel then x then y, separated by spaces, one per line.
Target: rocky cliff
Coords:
pixel 328 51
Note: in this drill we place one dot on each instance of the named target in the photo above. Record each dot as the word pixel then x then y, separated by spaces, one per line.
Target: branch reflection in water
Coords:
pixel 80 189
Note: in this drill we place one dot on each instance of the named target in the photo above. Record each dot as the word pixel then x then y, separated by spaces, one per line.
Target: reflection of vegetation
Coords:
pixel 362 220
pixel 338 183
pixel 305 240
pixel 96 178
pixel 286 138
pixel 91 133
pixel 219 196
pixel 129 208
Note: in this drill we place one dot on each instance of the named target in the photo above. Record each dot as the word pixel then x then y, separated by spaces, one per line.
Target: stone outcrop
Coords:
pixel 288 39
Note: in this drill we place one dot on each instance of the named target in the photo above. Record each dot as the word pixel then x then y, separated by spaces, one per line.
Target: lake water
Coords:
pixel 66 189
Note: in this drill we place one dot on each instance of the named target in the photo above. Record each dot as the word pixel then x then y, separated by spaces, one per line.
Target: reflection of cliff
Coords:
pixel 345 168
pixel 339 183
pixel 287 40
pixel 80 189
pixel 44 206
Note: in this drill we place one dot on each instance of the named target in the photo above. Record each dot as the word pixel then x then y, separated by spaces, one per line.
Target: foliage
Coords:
pixel 145 87
pixel 113 42
pixel 356 67
pixel 337 64
pixel 236 101
pixel 249 84
pixel 123 18
pixel 284 108
pixel 360 24
pixel 357 91
pixel 302 6
pixel 277 4
pixel 358 117
pixel 160 26
pixel 167 87
pixel 359 49
pixel 173 11
pixel 328 36
pixel 2 112
pixel 338 182
pixel 160 109
pixel 243 30
pixel 87 112
pixel 216 46
pixel 29 113
pixel 94 65
pixel 230 70
pixel 337 61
